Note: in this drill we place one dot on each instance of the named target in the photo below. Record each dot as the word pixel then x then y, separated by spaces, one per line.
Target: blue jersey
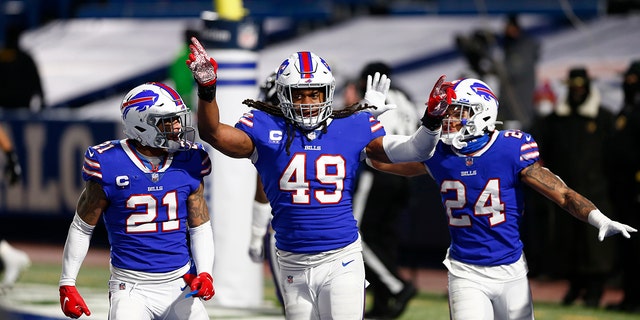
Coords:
pixel 146 219
pixel 310 186
pixel 483 197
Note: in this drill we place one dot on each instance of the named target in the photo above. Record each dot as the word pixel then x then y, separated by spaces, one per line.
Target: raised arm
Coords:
pixel 405 169
pixel 551 186
pixel 421 145
pixel 224 138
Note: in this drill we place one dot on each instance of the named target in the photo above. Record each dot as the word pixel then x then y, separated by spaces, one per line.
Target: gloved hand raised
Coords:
pixel 201 285
pixel 72 304
pixel 204 69
pixel 376 94
pixel 439 99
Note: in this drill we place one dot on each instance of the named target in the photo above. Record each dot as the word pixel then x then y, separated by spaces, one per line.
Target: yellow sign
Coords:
pixel 230 9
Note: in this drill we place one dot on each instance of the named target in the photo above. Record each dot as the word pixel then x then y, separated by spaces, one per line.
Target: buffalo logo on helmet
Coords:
pixel 325 64
pixel 140 102
pixel 147 98
pixel 483 91
pixel 283 66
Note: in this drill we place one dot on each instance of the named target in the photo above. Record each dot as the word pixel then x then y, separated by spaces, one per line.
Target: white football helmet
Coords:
pixel 471 114
pixel 305 70
pixel 149 112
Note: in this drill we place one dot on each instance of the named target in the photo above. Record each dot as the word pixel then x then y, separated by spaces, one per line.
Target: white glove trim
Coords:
pixel 418 147
pixel 202 248
pixel 607 227
pixel 260 219
pixel 261 216
pixel 75 250
pixel 597 219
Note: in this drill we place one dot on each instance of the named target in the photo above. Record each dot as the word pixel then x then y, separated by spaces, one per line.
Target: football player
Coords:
pixel 149 191
pixel 481 173
pixel 307 154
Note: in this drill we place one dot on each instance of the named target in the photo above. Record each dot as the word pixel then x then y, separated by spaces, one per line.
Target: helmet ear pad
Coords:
pixel 482 105
pixel 305 70
pixel 149 114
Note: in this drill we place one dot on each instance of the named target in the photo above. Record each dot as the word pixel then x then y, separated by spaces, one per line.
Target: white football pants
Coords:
pixel 155 301
pixel 332 286
pixel 499 292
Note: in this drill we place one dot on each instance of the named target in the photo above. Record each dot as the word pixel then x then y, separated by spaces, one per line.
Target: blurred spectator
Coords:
pixel 544 99
pixel 572 141
pixel 385 196
pixel 20 85
pixel 518 75
pixel 476 49
pixel 625 184
pixel 13 260
pixel 12 168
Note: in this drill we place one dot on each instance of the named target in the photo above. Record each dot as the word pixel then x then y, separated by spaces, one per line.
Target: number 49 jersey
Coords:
pixel 309 178
pixel 146 219
pixel 483 197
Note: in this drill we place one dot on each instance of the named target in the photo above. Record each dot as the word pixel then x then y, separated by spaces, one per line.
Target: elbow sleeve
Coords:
pixel 418 147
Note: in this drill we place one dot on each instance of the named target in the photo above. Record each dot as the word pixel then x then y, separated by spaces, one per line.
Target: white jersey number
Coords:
pixel 330 170
pixel 487 204
pixel 145 221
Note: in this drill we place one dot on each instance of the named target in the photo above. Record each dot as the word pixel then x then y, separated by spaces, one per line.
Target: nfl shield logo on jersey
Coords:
pixel 468 161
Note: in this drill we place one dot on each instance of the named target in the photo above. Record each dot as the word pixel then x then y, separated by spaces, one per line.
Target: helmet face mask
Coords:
pixel 306 74
pixel 471 115
pixel 154 115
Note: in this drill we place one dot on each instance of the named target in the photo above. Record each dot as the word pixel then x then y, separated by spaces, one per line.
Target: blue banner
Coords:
pixel 51 154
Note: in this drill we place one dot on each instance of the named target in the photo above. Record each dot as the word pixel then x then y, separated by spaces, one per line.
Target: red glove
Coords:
pixel 204 69
pixel 439 99
pixel 202 285
pixel 72 304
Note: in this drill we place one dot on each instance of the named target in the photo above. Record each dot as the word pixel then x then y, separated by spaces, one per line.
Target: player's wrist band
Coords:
pixel 597 218
pixel 431 123
pixel 207 93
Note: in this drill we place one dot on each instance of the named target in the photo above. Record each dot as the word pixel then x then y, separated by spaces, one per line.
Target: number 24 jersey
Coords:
pixel 483 196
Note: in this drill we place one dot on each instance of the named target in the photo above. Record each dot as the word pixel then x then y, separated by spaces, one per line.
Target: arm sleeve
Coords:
pixel 202 247
pixel 75 250
pixel 260 218
pixel 418 147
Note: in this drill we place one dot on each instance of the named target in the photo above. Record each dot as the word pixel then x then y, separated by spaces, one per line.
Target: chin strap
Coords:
pixel 473 145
